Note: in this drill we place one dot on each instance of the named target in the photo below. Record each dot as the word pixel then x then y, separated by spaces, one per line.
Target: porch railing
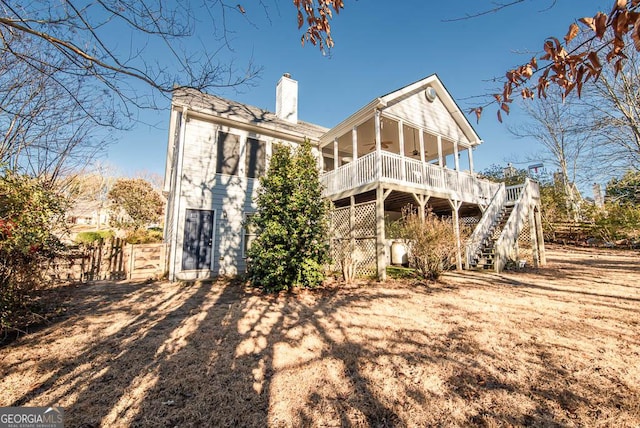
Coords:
pixel 506 243
pixel 484 227
pixel 513 193
pixel 402 170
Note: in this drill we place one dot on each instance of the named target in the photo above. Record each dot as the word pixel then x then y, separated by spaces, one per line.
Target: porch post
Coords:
pixel 533 233
pixel 336 159
pixel 421 142
pixel 354 143
pixel 456 160
pixel 455 206
pixel 403 172
pixel 540 237
pixel 380 238
pixel 422 158
pixel 422 202
pixel 440 161
pixel 378 134
pixel 470 151
pixel 319 159
pixel 352 226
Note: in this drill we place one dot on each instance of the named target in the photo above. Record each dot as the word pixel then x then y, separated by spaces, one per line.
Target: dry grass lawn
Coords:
pixel 557 347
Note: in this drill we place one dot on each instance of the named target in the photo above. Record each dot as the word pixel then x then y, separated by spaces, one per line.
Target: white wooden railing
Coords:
pixel 402 170
pixel 483 228
pixel 513 193
pixel 354 174
pixel 505 248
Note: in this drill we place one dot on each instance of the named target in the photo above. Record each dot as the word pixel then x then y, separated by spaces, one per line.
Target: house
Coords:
pixel 88 213
pixel 413 145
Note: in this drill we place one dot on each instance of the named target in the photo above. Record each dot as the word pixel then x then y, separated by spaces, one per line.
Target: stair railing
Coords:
pixel 483 228
pixel 505 247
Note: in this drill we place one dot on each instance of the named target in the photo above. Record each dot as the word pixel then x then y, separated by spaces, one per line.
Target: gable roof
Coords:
pixel 387 101
pixel 223 108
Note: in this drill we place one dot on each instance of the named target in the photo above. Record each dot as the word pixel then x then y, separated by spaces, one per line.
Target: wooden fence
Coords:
pixel 113 260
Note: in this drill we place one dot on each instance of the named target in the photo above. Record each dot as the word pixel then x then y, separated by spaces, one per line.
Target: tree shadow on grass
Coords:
pixel 220 354
pixel 54 306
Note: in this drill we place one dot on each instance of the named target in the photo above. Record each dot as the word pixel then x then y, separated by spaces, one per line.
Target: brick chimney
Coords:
pixel 287 99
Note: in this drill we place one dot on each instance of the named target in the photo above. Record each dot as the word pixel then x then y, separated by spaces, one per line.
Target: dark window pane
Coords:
pixel 255 160
pixel 328 164
pixel 228 153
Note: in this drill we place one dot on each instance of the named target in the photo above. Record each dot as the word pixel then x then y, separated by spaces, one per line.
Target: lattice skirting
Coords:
pixel 525 247
pixel 355 241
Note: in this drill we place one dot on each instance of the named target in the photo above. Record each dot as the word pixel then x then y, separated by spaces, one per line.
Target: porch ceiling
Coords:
pixel 390 137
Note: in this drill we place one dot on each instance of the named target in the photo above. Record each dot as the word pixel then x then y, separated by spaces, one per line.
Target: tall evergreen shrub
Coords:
pixel 291 223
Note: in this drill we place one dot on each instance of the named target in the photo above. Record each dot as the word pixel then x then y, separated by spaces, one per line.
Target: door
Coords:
pixel 198 240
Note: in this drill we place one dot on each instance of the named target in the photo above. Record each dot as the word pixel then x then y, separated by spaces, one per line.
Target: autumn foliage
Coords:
pixel 30 212
pixel 317 16
pixel 606 38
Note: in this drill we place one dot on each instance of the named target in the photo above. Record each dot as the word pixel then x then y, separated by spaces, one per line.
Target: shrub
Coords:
pixel 291 223
pixel 432 243
pixel 29 214
pixel 617 221
pixel 141 236
pixel 93 236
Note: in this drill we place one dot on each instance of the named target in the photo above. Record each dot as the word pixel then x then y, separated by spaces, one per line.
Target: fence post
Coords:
pixel 131 262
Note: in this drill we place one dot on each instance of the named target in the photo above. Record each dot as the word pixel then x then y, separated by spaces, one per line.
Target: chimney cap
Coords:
pixel 287 75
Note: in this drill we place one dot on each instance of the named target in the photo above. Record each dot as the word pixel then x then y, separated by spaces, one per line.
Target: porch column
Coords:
pixel 540 236
pixel 533 233
pixel 470 151
pixel 380 238
pixel 403 172
pixel 421 142
pixel 456 159
pixel 440 161
pixel 378 133
pixel 422 158
pixel 455 207
pixel 422 203
pixel 336 159
pixel 352 227
pixel 320 159
pixel 354 144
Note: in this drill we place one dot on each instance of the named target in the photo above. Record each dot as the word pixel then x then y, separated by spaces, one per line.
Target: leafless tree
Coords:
pixel 48 119
pixel 63 73
pixel 61 82
pixel 615 105
pixel 81 33
pixel 558 125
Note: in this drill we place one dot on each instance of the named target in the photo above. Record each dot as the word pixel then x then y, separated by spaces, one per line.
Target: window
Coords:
pixel 249 234
pixel 255 162
pixel 228 156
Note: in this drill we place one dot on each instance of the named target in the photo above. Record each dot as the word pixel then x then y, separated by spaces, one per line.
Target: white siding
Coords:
pixel 229 195
pixel 431 116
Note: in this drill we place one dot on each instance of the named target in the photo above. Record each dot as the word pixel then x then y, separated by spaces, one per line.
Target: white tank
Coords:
pixel 399 254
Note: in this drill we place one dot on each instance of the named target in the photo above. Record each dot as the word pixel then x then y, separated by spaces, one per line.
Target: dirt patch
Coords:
pixel 554 347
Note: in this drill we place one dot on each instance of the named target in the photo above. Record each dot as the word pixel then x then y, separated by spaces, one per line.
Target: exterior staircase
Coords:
pixel 485 259
pixel 495 239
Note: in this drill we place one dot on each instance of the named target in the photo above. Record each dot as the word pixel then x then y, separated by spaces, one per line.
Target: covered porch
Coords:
pixel 388 150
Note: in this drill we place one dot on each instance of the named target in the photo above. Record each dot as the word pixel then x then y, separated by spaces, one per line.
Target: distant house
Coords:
pixel 411 146
pixel 88 213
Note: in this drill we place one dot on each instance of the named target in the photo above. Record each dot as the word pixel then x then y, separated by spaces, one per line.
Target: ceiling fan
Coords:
pixel 384 144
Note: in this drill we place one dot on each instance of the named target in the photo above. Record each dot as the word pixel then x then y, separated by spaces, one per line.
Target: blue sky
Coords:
pixel 378 48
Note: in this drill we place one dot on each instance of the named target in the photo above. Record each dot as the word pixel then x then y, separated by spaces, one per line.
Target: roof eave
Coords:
pixel 355 119
pixel 263 128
